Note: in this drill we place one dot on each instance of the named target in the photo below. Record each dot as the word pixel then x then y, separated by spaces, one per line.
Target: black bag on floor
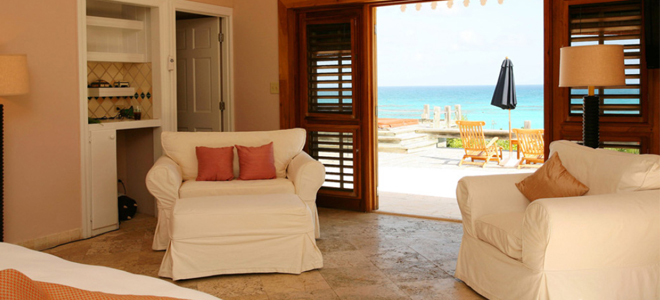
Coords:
pixel 127 208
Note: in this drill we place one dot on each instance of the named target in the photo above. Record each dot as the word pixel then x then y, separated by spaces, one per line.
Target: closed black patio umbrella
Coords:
pixel 504 96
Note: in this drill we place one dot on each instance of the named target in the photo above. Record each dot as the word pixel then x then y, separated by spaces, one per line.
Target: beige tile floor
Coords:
pixel 366 256
pixel 424 183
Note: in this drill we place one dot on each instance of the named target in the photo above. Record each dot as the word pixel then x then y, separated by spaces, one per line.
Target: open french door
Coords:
pixel 334 105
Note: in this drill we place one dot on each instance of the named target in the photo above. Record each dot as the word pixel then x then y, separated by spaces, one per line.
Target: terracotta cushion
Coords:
pixel 215 164
pixel 16 285
pixel 552 180
pixel 256 162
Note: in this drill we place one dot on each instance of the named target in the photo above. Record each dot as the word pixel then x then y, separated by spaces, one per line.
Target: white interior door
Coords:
pixel 199 103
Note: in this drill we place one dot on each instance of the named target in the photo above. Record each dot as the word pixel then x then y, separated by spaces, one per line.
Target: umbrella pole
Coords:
pixel 510 134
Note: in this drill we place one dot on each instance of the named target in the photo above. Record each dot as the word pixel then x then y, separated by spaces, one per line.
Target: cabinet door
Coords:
pixel 104 181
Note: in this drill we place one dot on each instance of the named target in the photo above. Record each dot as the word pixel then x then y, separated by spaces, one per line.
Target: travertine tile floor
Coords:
pixel 366 256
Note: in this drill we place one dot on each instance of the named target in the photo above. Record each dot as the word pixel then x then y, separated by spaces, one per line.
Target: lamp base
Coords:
pixel 590 121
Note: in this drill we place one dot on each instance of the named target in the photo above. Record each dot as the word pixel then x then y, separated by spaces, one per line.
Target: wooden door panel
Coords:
pixel 331 102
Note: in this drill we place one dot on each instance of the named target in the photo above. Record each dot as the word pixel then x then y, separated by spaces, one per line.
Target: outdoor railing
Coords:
pixel 454 133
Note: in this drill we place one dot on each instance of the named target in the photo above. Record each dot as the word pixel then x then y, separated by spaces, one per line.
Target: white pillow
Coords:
pixel 180 146
pixel 607 171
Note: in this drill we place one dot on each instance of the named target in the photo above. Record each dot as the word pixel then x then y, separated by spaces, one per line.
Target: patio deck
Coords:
pixel 424 183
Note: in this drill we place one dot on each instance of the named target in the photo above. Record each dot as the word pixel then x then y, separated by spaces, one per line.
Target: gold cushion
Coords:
pixel 552 180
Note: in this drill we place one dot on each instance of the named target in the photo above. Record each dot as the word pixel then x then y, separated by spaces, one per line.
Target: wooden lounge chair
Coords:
pixel 474 143
pixel 531 144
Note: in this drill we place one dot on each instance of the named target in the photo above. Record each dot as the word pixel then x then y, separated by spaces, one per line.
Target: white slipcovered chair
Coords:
pixel 603 245
pixel 173 175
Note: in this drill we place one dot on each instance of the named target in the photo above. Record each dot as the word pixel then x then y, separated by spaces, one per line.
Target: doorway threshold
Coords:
pixel 417 216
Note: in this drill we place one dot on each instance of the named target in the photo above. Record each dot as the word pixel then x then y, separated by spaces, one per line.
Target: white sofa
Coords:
pixel 173 175
pixel 603 245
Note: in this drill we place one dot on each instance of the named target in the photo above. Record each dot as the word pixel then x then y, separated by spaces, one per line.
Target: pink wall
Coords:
pixel 42 143
pixel 256 65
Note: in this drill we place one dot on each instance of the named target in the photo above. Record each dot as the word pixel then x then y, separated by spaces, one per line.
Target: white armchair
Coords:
pixel 173 175
pixel 604 245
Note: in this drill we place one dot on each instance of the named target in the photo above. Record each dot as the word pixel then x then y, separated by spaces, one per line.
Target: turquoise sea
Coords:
pixel 407 102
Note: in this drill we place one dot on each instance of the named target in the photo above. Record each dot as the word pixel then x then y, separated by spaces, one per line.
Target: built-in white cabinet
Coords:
pixel 103 149
pixel 122 44
pixel 132 42
pixel 112 150
pixel 118 32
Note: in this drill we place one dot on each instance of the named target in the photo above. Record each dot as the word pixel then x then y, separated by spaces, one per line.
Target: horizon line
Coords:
pixel 454 85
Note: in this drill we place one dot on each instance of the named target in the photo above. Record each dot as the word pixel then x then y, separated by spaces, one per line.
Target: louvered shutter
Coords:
pixel 617 23
pixel 329 63
pixel 335 151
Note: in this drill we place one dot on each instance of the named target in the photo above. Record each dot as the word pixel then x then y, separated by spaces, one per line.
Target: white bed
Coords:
pixel 48 268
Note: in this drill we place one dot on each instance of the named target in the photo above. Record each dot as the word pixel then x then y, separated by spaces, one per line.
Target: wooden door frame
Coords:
pixel 288 76
pixel 225 15
pixel 554 17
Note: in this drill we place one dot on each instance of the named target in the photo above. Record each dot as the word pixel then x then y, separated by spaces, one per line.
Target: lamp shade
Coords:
pixel 596 65
pixel 13 75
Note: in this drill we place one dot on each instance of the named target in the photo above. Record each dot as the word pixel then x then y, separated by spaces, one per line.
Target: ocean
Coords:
pixel 407 102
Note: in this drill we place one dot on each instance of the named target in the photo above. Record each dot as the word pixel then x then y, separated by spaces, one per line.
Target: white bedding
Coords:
pixel 48 268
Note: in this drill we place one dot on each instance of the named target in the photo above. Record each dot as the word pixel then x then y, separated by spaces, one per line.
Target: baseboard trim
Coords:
pixel 52 240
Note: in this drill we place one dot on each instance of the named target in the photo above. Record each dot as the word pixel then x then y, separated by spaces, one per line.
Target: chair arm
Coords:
pixel 483 195
pixel 593 232
pixel 307 175
pixel 492 142
pixel 163 182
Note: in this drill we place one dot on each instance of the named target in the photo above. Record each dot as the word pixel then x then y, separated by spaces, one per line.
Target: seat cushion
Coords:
pixel 607 171
pixel 192 188
pixel 180 146
pixel 240 215
pixel 503 231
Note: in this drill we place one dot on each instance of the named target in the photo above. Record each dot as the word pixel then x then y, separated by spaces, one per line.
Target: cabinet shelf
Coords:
pixel 111 92
pixel 116 57
pixel 115 23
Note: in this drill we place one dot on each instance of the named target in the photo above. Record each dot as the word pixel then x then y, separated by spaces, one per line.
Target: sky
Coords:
pixel 459 45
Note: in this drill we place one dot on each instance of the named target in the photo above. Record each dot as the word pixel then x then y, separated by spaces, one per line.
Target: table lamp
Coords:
pixel 590 67
pixel 13 81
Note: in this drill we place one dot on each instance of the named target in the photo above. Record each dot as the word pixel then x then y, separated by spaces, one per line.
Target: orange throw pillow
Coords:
pixel 256 162
pixel 215 164
pixel 552 180
pixel 16 285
